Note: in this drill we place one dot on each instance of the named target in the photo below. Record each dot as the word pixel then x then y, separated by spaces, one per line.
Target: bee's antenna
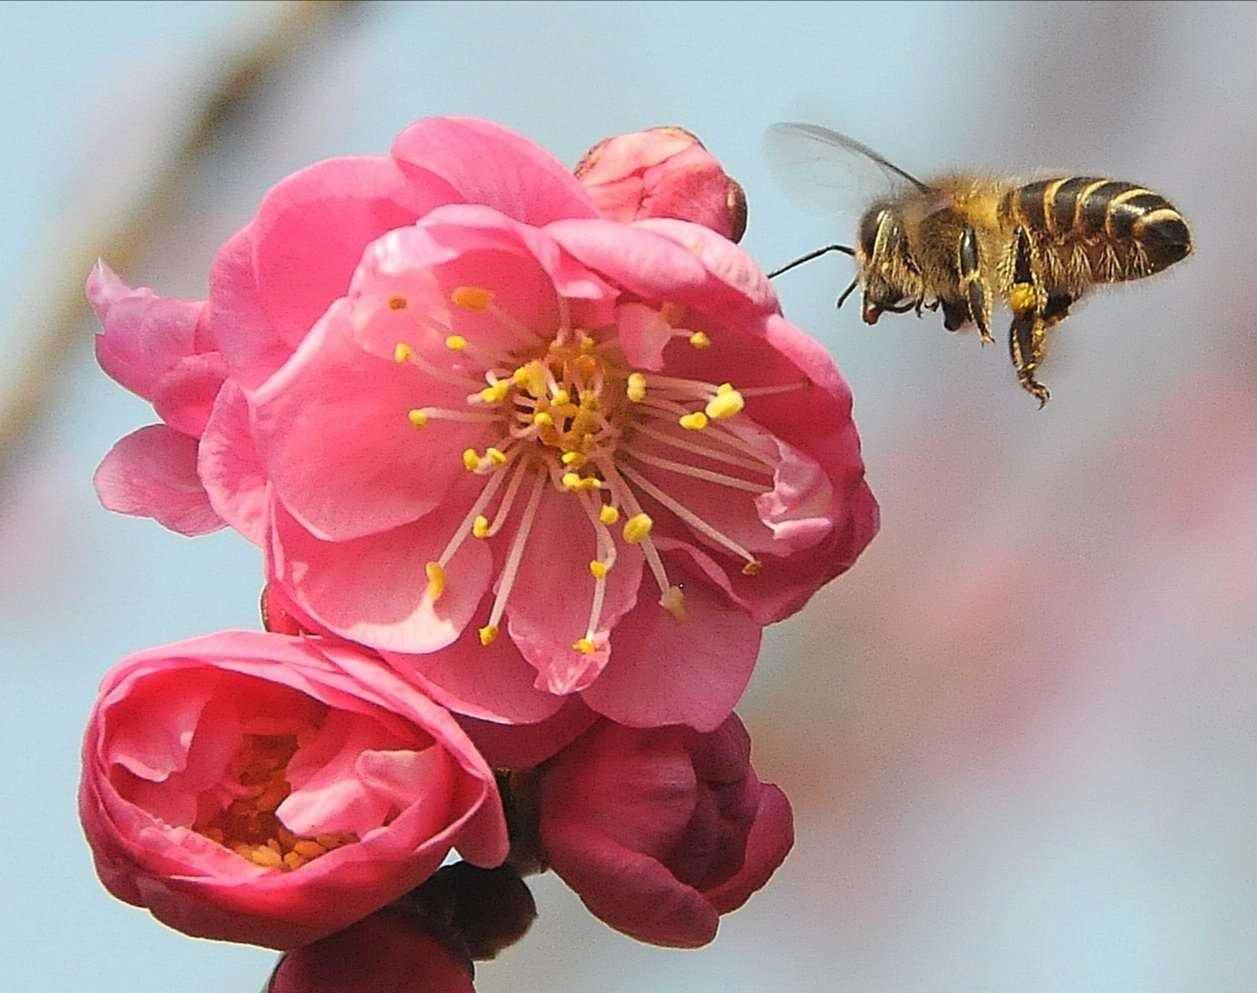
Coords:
pixel 811 255
pixel 847 292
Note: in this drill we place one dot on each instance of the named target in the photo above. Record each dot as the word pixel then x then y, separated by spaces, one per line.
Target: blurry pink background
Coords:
pixel 1018 735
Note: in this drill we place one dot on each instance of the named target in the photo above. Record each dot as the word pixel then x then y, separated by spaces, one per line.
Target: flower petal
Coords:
pixel 523 746
pixel 152 473
pixel 185 394
pixel 488 164
pixel 230 467
pixel 770 841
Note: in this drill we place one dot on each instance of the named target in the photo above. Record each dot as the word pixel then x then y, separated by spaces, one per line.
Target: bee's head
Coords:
pixel 880 239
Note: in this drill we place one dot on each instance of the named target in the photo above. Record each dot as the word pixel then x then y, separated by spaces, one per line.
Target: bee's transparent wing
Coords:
pixel 822 170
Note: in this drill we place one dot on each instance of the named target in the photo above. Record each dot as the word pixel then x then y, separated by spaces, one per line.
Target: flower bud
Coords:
pixel 489 909
pixel 663 172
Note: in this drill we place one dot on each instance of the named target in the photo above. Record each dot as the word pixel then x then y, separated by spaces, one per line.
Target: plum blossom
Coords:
pixel 258 788
pixel 660 832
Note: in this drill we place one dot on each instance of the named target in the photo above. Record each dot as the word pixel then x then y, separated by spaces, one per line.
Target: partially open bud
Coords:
pixel 663 172
pixel 391 950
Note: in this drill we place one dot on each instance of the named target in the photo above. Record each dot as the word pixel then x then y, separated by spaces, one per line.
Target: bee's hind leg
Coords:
pixel 1027 336
pixel 977 296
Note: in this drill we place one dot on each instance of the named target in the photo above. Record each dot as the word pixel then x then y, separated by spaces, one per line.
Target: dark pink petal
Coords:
pixel 729 265
pixel 152 473
pixel 372 590
pixel 342 456
pixel 144 335
pixel 662 672
pixel 302 248
pixel 185 394
pixel 522 746
pixel 769 842
pixel 549 607
pixel 488 164
pixel 230 467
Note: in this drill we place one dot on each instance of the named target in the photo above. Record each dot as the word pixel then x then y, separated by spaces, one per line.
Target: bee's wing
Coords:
pixel 824 170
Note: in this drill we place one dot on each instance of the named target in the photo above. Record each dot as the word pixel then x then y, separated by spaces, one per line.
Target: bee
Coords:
pixel 962 241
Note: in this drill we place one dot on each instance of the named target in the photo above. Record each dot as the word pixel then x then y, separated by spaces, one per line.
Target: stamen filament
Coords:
pixel 508 498
pixel 405 354
pixel 698 448
pixel 465 528
pixel 516 554
pixel 765 391
pixel 670 411
pixel 698 473
pixel 445 414
pixel 624 496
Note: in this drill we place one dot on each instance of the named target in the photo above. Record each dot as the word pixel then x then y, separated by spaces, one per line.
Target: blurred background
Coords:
pixel 1018 735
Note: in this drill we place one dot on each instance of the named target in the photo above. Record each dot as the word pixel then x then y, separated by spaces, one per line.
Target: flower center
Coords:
pixel 565 414
pixel 248 825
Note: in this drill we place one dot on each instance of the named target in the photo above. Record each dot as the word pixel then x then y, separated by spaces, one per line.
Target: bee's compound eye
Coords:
pixel 869 224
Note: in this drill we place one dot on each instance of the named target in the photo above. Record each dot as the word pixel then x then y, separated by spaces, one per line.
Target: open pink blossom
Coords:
pixel 592 445
pixel 660 832
pixel 663 172
pixel 264 789
pixel 389 952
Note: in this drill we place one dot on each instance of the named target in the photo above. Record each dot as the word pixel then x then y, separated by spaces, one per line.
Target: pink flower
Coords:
pixel 663 172
pixel 662 831
pixel 264 789
pixel 388 952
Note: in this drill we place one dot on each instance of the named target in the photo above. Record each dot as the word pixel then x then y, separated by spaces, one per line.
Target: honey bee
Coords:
pixel 963 240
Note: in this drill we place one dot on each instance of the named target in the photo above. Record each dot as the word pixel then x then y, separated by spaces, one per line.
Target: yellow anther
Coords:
pixel 571 481
pixel 637 527
pixel 496 393
pixel 725 404
pixel 402 352
pixel 471 461
pixel 598 569
pixel 456 343
pixel 472 298
pixel 584 646
pixel 396 303
pixel 436 580
pixel 532 377
pixel 487 634
pixel 573 459
pixel 543 419
pixel 586 365
pixel 561 397
pixel 673 601
pixel 693 422
pixel 608 515
pixel 587 344
pixel 590 483
pixel 672 313
pixel 699 339
pixel 417 417
pixel 480 527
pixel 753 568
pixel 724 388
pixel 495 456
pixel 636 387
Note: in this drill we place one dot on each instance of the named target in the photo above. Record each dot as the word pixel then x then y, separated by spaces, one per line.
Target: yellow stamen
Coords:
pixel 637 528
pixel 573 459
pixel 753 568
pixel 495 456
pixel 598 569
pixel 475 298
pixel 636 387
pixel 532 377
pixel 436 581
pixel 699 339
pixel 480 527
pixel 672 313
pixel 496 393
pixel 587 344
pixel 571 482
pixel 585 646
pixel 673 601
pixel 693 422
pixel 471 461
pixel 396 303
pixel 402 352
pixel 561 396
pixel 724 388
pixel 542 419
pixel 417 417
pixel 487 634
pixel 589 483
pixel 608 515
pixel 725 404
pixel 456 343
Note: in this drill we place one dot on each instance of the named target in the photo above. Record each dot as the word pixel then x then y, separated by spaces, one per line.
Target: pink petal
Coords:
pixel 341 454
pixel 230 467
pixel 490 165
pixel 372 590
pixel 643 335
pixel 729 265
pixel 662 672
pixel 549 606
pixel 144 335
pixel 152 473
pixel 770 841
pixel 185 394
pixel 522 746
pixel 307 238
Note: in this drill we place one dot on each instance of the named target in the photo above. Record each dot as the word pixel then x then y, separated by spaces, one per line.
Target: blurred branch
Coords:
pixel 55 309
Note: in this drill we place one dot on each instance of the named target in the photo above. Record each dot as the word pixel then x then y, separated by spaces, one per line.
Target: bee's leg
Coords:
pixel 1056 309
pixel 955 315
pixel 1027 336
pixel 969 269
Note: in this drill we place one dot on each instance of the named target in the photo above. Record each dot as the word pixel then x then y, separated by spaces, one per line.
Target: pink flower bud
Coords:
pixel 389 951
pixel 663 172
pixel 271 790
pixel 661 831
